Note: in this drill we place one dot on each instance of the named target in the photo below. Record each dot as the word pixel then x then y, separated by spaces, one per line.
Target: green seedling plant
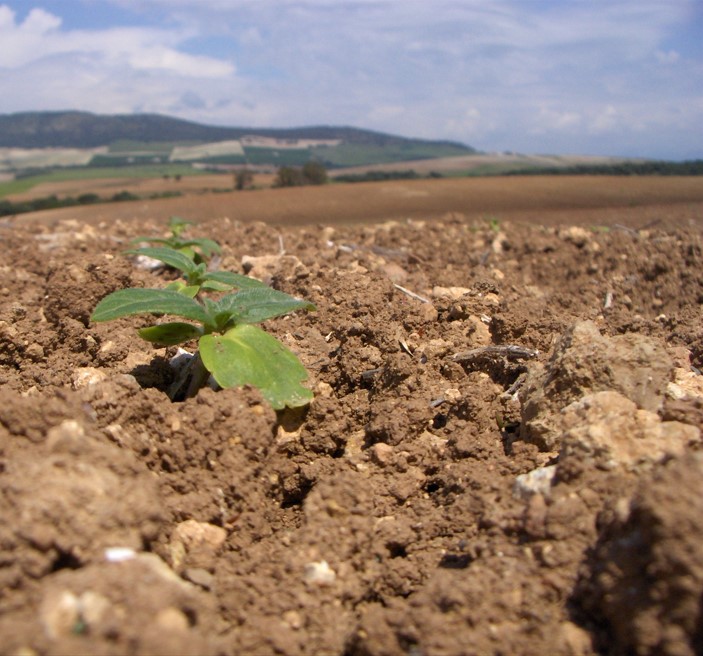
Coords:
pixel 199 250
pixel 196 277
pixel 231 347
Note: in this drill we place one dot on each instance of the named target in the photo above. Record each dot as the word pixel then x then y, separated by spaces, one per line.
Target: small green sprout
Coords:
pixel 197 249
pixel 230 347
pixel 196 276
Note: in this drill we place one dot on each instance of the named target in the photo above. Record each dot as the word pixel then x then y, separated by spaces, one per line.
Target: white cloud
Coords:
pixel 668 57
pixel 605 120
pixel 504 75
pixel 38 38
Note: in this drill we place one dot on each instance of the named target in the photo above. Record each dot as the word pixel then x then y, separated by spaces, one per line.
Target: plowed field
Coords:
pixel 503 455
pixel 584 199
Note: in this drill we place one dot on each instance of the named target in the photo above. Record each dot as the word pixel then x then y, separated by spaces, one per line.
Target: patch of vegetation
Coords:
pixel 74 129
pixel 379 176
pixel 350 154
pixel 690 167
pixel 8 208
pixel 312 173
pixel 231 348
pixel 26 180
pixel 196 250
pixel 128 159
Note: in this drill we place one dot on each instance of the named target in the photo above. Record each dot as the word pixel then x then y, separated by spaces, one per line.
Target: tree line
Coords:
pixel 689 167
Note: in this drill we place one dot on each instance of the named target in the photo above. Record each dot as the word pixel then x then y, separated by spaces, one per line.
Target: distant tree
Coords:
pixel 243 179
pixel 288 176
pixel 314 173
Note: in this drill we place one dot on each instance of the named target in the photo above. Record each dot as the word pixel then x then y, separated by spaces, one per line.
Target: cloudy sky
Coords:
pixel 611 77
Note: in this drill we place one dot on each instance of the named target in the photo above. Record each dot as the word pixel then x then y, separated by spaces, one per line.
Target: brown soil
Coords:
pixel 503 454
pixel 107 187
pixel 634 201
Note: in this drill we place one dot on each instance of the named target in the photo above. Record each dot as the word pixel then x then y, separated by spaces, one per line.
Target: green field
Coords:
pixel 346 155
pixel 125 146
pixel 60 175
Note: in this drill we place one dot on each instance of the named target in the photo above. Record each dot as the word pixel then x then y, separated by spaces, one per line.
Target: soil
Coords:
pixel 503 455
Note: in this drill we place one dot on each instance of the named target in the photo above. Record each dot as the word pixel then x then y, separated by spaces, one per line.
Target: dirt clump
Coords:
pixel 502 455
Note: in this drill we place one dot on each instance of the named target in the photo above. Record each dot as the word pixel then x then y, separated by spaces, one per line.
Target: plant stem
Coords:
pixel 192 377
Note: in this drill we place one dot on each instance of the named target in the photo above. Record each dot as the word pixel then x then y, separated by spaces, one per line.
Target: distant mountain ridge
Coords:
pixel 75 129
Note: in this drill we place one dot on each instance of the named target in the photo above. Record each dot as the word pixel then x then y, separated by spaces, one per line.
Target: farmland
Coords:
pixel 591 199
pixel 503 451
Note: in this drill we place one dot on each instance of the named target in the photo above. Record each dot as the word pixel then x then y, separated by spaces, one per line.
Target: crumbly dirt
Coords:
pixel 503 455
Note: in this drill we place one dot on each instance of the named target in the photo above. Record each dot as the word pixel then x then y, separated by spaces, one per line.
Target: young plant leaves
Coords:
pixel 196 249
pixel 195 274
pixel 256 304
pixel 246 355
pixel 232 279
pixel 168 256
pixel 126 302
pixel 170 334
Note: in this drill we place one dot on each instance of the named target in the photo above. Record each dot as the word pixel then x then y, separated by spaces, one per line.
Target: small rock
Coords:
pixel 146 263
pixel 395 272
pixel 84 376
pixel 452 395
pixel 428 312
pixel 293 619
pixel 575 235
pixel 119 554
pixel 478 331
pixel 171 619
pixel 264 267
pixel 381 453
pixel 198 542
pixel 454 293
pixel 200 577
pixel 585 362
pixel 609 429
pixel 35 352
pixel 324 390
pixel 435 348
pixel 685 384
pixel 59 613
pixel 319 573
pixel 93 608
pixel 67 436
pixel 538 481
pixel 499 243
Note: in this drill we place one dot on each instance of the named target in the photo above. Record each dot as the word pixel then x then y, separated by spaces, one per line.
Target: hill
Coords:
pixel 73 129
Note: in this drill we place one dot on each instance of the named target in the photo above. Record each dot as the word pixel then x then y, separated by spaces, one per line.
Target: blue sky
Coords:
pixel 604 77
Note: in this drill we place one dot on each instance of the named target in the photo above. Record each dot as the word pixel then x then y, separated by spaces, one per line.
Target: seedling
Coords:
pixel 198 250
pixel 230 346
pixel 196 277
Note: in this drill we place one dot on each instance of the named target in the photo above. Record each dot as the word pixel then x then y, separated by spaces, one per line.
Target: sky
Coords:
pixel 592 77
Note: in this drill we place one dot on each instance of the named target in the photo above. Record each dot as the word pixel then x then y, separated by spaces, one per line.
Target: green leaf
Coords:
pixel 214 286
pixel 206 246
pixel 191 291
pixel 178 225
pixel 170 334
pixel 126 302
pixel 173 258
pixel 148 240
pixel 246 355
pixel 258 304
pixel 234 279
